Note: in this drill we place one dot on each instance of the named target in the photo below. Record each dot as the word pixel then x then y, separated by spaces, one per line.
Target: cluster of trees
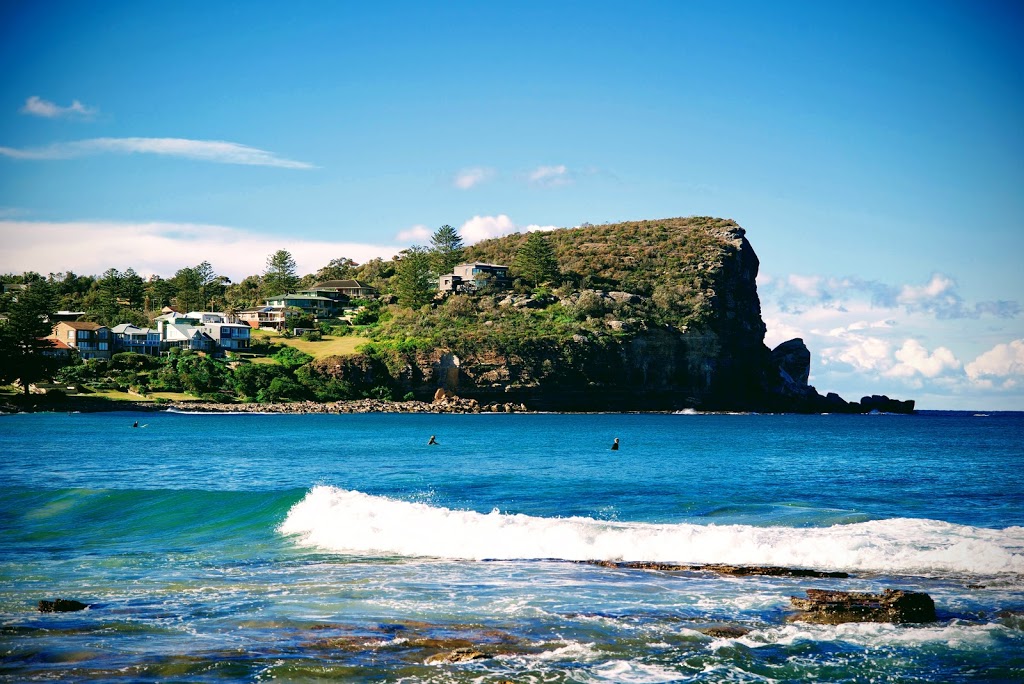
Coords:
pixel 291 378
pixel 671 263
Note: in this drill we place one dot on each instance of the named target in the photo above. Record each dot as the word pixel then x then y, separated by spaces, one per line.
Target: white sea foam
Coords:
pixel 352 522
pixel 875 635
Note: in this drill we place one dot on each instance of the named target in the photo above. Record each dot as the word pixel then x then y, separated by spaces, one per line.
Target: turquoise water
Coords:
pixel 259 547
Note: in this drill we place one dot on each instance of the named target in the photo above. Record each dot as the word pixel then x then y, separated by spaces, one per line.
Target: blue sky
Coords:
pixel 873 151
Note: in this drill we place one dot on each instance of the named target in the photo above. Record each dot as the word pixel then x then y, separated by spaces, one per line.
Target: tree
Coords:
pixel 188 284
pixel 535 261
pixel 207 280
pixel 280 275
pixel 445 249
pixel 337 269
pixel 412 277
pixel 21 343
pixel 133 289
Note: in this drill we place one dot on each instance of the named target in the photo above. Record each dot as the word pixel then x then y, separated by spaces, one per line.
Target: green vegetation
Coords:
pixel 446 249
pixel 576 293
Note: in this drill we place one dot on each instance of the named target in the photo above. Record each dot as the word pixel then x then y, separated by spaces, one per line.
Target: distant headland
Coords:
pixel 657 315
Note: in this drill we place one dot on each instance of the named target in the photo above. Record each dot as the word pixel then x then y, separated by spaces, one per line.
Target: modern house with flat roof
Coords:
pixel 129 338
pixel 475 276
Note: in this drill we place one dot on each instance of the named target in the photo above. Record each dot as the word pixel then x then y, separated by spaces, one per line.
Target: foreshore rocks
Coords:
pixel 837 607
pixel 723 569
pixel 448 404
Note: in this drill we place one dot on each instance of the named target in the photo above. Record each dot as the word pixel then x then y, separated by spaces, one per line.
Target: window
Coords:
pixel 71 334
pixel 103 346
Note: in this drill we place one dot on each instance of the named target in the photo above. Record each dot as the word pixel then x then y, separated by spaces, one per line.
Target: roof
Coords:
pixel 57 343
pixel 481 263
pixel 329 284
pixel 298 296
pixel 82 325
pixel 126 328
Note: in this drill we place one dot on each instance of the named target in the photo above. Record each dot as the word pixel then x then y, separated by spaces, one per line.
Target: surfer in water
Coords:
pixel 432 440
pixel 615 444
pixel 136 424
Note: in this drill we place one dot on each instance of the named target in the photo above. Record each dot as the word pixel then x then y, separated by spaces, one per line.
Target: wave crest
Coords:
pixel 352 522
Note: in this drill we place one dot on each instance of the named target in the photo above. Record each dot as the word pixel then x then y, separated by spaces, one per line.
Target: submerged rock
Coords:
pixel 722 569
pixel 724 631
pixel 459 655
pixel 837 607
pixel 61 606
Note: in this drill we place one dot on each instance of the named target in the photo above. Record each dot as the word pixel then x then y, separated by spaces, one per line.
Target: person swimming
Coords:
pixel 615 444
pixel 432 440
pixel 136 424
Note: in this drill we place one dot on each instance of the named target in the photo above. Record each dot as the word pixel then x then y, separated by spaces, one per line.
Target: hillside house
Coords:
pixel 129 338
pixel 319 307
pixel 264 317
pixel 92 340
pixel 229 336
pixel 352 289
pixel 475 276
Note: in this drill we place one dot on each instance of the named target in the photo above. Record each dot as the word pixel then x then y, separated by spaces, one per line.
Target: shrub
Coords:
pixel 291 358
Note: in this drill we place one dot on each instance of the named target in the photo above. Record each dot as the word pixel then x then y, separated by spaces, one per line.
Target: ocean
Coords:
pixel 239 547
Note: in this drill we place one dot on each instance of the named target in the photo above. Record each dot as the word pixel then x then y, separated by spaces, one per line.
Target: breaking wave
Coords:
pixel 352 522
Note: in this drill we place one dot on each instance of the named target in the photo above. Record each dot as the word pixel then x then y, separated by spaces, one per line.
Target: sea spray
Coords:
pixel 352 522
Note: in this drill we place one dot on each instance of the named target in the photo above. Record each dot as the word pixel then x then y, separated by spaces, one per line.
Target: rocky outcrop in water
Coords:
pixel 717 360
pixel 837 607
pixel 61 606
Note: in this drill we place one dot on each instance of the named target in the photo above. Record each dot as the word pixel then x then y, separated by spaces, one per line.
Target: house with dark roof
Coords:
pixel 319 307
pixel 353 289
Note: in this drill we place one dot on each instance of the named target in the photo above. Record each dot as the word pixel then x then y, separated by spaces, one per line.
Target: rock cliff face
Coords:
pixel 718 363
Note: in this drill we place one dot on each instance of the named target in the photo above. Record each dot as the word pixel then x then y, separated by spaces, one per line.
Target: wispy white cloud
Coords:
pixel 550 176
pixel 216 151
pixel 418 234
pixel 469 178
pixel 37 106
pixel 91 247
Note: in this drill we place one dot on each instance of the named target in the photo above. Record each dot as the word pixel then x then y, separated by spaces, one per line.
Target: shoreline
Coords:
pixel 99 405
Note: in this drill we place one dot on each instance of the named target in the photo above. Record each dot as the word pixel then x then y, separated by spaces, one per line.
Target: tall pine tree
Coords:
pixel 535 261
pixel 280 275
pixel 21 343
pixel 412 277
pixel 445 249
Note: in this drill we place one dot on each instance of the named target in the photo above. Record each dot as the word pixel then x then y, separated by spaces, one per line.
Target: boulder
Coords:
pixel 61 606
pixel 837 607
pixel 459 655
pixel 724 631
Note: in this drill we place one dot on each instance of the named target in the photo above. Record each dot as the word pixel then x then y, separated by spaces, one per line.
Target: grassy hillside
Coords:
pixel 672 265
pixel 635 256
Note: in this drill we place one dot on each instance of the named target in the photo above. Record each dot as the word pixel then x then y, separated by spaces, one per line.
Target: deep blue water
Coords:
pixel 245 547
